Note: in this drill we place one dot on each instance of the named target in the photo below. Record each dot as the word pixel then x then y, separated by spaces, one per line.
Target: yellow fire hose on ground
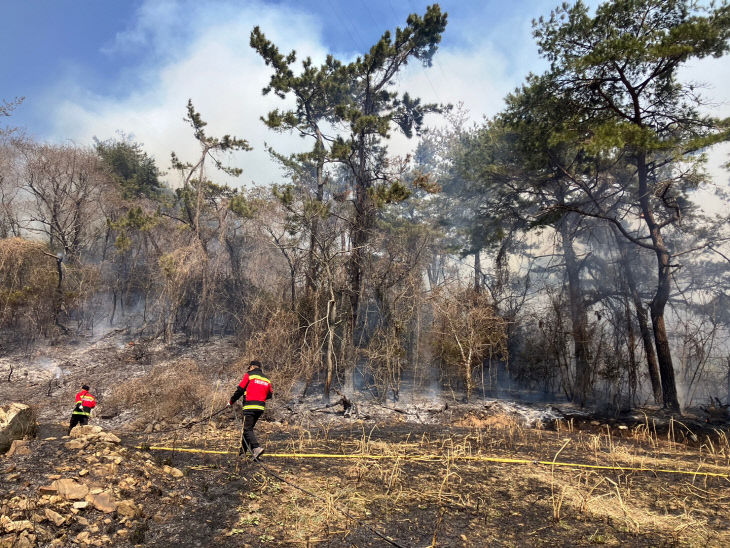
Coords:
pixel 422 458
pixel 436 458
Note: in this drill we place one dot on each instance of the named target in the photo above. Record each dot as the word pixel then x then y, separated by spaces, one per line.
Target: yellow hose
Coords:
pixel 472 458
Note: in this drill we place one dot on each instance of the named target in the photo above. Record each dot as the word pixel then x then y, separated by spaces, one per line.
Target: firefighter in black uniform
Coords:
pixel 85 402
pixel 257 389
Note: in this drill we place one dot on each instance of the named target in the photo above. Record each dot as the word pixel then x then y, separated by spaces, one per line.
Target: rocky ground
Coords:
pixel 107 485
pixel 86 489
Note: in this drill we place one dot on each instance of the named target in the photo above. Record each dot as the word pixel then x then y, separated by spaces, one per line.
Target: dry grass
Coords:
pixel 165 393
pixel 453 502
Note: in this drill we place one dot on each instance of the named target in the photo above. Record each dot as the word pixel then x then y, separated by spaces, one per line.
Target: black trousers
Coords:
pixel 78 419
pixel 248 438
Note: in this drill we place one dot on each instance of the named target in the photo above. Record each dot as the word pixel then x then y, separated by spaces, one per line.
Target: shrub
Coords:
pixel 28 287
pixel 168 391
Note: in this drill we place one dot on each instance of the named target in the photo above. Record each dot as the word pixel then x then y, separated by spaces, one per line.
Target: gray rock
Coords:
pixel 17 421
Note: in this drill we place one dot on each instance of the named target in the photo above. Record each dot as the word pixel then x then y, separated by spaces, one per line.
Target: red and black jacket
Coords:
pixel 85 402
pixel 256 388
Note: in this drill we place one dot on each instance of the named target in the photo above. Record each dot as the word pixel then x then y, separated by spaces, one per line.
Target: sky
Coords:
pixel 100 68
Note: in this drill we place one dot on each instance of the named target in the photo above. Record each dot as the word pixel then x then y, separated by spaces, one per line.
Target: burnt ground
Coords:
pixel 224 500
pixel 462 503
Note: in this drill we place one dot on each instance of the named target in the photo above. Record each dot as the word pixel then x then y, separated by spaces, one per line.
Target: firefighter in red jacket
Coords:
pixel 85 402
pixel 256 389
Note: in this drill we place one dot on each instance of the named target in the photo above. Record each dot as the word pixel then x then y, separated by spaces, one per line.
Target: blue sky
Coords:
pixel 92 68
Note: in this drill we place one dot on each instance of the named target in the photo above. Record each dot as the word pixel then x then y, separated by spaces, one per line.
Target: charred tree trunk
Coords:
pixel 642 319
pixel 361 225
pixel 578 316
pixel 658 303
pixel 58 296
pixel 648 342
pixel 632 353
pixel 114 306
pixel 293 286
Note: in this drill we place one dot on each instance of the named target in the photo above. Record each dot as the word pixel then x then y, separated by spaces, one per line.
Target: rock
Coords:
pixel 111 438
pixel 83 472
pixel 75 444
pixel 104 502
pixel 55 517
pixel 17 421
pixel 86 430
pixel 70 489
pixel 5 521
pixel 19 448
pixel 50 439
pixel 16 526
pixel 81 505
pixel 96 491
pixel 83 538
pixel 24 542
pixel 127 508
pixel 104 470
pixel 47 488
pixel 26 504
pixel 174 472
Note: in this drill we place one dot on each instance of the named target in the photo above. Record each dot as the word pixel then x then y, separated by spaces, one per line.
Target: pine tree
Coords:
pixel 619 71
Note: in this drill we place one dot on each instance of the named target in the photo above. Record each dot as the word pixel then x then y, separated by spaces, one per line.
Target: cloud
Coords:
pixel 478 72
pixel 200 51
pixel 217 69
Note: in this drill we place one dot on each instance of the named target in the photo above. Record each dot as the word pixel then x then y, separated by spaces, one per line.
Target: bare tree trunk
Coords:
pixel 331 318
pixel 114 306
pixel 477 272
pixel 359 235
pixel 632 353
pixel 313 265
pixel 658 303
pixel 578 316
pixel 642 318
